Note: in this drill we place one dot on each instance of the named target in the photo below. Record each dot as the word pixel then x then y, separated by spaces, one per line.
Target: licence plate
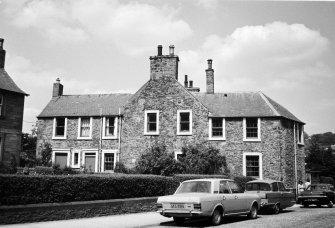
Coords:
pixel 177 206
pixel 312 200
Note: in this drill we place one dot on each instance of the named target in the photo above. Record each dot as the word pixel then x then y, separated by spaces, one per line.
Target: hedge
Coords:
pixel 26 189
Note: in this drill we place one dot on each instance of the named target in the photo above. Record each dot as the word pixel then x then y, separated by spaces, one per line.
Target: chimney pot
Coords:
pixel 160 49
pixel 209 61
pixel 1 43
pixel 58 80
pixel 171 49
pixel 2 54
pixel 191 84
pixel 186 82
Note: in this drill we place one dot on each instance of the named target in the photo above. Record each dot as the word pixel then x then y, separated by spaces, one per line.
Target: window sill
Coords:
pixel 251 140
pixel 300 144
pixel 217 139
pixel 109 137
pixel 151 133
pixel 184 133
pixel 55 137
pixel 84 138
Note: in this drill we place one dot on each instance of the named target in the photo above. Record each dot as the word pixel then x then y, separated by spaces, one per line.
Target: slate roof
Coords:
pixel 7 83
pixel 243 104
pixel 85 105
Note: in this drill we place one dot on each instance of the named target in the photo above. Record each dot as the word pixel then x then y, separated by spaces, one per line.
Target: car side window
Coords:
pixel 224 189
pixel 234 187
pixel 281 187
pixel 274 187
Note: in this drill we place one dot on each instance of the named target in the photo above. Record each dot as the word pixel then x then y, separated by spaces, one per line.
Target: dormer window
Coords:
pixel 251 129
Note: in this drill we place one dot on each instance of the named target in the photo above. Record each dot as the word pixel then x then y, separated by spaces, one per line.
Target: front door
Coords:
pixel 90 159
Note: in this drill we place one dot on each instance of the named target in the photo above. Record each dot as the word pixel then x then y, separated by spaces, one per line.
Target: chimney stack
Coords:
pixel 210 78
pixel 186 82
pixel 2 54
pixel 164 65
pixel 57 89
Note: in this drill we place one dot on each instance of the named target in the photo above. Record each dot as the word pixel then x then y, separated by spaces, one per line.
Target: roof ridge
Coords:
pixel 268 103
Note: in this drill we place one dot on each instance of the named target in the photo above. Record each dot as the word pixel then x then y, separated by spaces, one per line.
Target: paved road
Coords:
pixel 291 217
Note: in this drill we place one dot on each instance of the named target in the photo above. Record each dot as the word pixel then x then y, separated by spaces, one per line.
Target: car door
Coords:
pixel 227 198
pixel 287 198
pixel 240 200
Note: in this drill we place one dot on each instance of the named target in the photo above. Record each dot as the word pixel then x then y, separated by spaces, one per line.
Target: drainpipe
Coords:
pixel 120 125
pixel 295 161
pixel 100 143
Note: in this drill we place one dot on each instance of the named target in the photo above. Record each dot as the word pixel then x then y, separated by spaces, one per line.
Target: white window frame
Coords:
pixel 116 123
pixel 1 104
pixel 146 132
pixel 258 139
pixel 223 137
pixel 79 128
pixel 54 129
pixel 176 153
pixel 79 159
pixel 91 151
pixel 300 138
pixel 104 152
pixel 65 151
pixel 178 122
pixel 260 157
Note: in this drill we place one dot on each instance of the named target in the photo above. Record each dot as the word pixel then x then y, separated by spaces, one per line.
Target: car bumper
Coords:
pixel 313 199
pixel 181 213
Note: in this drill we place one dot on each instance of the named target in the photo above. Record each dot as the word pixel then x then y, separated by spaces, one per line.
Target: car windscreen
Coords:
pixel 317 187
pixel 257 187
pixel 194 186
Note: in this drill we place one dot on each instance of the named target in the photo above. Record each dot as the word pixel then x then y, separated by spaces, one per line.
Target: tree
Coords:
pixel 46 153
pixel 28 154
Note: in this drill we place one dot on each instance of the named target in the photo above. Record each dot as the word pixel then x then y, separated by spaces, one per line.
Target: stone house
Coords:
pixel 258 136
pixel 11 114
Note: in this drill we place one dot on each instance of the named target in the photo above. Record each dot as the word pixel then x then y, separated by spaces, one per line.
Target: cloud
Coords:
pixel 208 4
pixel 132 27
pixel 274 55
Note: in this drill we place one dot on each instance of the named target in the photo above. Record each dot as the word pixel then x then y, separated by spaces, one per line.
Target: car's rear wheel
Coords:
pixel 330 204
pixel 276 209
pixel 253 212
pixel 216 218
pixel 178 220
pixel 305 204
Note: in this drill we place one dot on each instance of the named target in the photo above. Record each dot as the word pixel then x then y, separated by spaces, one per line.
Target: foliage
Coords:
pixel 55 170
pixel 201 159
pixel 324 140
pixel 242 180
pixel 327 180
pixel 46 154
pixel 27 189
pixel 320 159
pixel 158 162
pixel 28 154
pixel 120 168
pixel 42 170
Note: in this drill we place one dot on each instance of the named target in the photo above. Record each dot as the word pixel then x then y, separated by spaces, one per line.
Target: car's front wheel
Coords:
pixel 216 218
pixel 178 220
pixel 276 209
pixel 253 212
pixel 330 204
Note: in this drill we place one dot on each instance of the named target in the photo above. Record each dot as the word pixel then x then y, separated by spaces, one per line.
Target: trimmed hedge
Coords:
pixel 23 189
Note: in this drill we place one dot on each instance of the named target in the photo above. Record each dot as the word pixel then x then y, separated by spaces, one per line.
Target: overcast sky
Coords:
pixel 284 49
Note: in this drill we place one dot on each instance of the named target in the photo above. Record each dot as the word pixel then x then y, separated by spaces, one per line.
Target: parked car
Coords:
pixel 274 195
pixel 212 198
pixel 318 194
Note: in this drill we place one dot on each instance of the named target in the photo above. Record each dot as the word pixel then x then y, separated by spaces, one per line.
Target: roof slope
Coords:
pixel 243 104
pixel 7 83
pixel 85 105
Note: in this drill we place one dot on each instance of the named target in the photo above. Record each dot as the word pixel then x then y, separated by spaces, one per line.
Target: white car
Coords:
pixel 212 198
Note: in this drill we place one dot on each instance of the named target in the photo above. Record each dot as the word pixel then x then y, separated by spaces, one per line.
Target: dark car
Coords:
pixel 318 194
pixel 274 195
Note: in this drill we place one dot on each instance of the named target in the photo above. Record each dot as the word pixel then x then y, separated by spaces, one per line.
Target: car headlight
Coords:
pixel 197 206
pixel 159 205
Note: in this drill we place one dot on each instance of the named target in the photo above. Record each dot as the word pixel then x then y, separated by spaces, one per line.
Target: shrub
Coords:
pixel 202 159
pixel 158 162
pixel 42 170
pixel 22 189
pixel 120 168
pixel 46 155
pixel 242 180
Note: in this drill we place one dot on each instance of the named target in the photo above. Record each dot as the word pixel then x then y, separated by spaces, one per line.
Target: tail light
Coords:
pixel 159 205
pixel 197 206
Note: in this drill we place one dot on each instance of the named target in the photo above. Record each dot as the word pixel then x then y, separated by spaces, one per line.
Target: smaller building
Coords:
pixel 11 114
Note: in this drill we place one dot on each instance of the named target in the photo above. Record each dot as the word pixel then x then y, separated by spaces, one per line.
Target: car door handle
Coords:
pixel 224 198
pixel 236 197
